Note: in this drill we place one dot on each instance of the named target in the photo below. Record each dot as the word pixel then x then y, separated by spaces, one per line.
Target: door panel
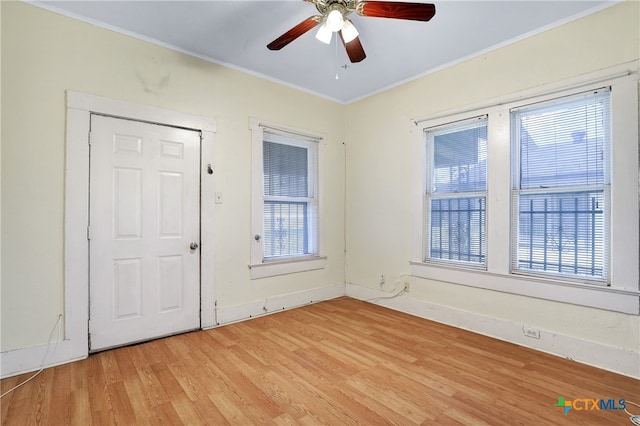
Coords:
pixel 127 286
pixel 144 214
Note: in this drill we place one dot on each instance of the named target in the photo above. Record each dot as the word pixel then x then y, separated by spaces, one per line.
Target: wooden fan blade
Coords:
pixel 354 49
pixel 397 10
pixel 294 33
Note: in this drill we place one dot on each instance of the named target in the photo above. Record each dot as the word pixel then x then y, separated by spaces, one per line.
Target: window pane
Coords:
pixel 457 229
pixel 460 158
pixel 562 233
pixel 563 145
pixel 285 229
pixel 285 170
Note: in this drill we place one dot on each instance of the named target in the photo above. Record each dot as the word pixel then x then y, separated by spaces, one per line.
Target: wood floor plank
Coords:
pixel 15 406
pixel 42 390
pixel 110 367
pixel 406 411
pixel 286 394
pixel 119 404
pixel 230 409
pixel 169 383
pixel 346 353
pixel 316 359
pixel 143 409
pixel 154 390
pixel 341 362
pixel 186 411
pixel 285 420
pixel 158 351
pixel 286 340
pixel 208 411
pixel 126 362
pixel 192 385
pixel 80 409
pixel 482 409
pixel 319 405
pixel 167 414
pixel 60 411
pixel 242 395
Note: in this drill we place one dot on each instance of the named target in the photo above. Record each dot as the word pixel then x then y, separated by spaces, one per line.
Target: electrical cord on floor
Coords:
pixel 633 418
pixel 44 359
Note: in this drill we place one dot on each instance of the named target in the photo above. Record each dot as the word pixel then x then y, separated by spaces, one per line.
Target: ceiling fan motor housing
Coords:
pixel 345 7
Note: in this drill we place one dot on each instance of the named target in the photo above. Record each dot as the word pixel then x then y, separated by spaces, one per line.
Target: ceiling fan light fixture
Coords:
pixel 324 34
pixel 349 31
pixel 333 17
pixel 335 20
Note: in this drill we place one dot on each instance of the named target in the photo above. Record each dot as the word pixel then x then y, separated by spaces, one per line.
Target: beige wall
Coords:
pixel 44 54
pixel 383 175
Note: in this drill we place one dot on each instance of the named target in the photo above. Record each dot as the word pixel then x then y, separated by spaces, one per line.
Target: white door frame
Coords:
pixel 76 250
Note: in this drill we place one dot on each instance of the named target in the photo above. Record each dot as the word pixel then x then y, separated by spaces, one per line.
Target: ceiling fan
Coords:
pixel 334 18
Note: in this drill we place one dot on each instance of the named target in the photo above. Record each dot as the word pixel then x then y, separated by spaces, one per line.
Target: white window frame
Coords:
pixel 517 192
pixel 260 266
pixel 429 196
pixel 623 292
pixel 311 200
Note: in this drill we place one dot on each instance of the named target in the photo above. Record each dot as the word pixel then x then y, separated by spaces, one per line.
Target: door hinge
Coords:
pixel 89 232
pixel 89 338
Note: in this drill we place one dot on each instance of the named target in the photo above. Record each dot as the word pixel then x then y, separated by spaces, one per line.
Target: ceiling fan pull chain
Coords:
pixel 336 62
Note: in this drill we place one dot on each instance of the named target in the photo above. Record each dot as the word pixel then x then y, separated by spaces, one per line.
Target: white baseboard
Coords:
pixel 34 358
pixel 609 358
pixel 31 359
pixel 230 314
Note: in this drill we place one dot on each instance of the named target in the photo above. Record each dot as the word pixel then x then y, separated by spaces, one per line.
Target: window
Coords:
pixel 561 218
pixel 285 206
pixel 289 191
pixel 455 196
pixel 561 186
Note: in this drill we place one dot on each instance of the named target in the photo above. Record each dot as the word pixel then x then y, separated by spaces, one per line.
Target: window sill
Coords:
pixel 452 264
pixel 271 268
pixel 594 296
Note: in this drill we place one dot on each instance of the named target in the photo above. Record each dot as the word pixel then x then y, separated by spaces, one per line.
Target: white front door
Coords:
pixel 144 232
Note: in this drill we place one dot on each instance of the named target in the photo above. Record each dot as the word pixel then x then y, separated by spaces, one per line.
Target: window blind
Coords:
pixel 563 144
pixel 459 160
pixel 560 182
pixel 285 170
pixel 288 195
pixel 455 200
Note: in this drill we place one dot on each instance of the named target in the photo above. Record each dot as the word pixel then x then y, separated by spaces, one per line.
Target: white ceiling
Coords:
pixel 235 33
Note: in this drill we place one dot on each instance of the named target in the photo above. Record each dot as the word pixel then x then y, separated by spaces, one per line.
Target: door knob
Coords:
pixel 193 245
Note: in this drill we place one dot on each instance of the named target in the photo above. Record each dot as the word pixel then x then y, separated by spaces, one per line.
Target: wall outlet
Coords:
pixel 407 288
pixel 531 332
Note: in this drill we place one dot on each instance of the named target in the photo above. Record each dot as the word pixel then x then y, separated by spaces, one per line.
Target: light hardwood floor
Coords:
pixel 338 362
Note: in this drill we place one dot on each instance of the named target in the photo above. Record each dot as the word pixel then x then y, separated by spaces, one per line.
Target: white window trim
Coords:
pixel 623 293
pixel 260 267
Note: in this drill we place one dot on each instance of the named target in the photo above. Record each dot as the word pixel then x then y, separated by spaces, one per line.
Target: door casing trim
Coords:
pixel 80 106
